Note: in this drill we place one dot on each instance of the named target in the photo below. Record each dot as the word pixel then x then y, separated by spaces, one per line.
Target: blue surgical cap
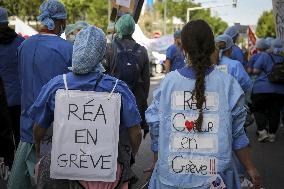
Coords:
pixel 78 25
pixel 262 44
pixel 88 51
pixel 232 31
pixel 51 9
pixel 3 16
pixel 277 43
pixel 228 41
pixel 177 34
pixel 269 40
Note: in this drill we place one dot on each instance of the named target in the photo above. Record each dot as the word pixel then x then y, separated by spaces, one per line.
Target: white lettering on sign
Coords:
pixel 194 143
pixel 184 100
pixel 124 3
pixel 223 68
pixel 85 136
pixel 186 123
pixel 201 166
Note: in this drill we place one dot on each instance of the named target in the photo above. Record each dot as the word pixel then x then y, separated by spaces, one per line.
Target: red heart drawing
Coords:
pixel 189 125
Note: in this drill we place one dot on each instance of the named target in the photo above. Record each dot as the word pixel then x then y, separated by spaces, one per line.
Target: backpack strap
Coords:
pixel 272 58
pixel 98 81
pixel 135 48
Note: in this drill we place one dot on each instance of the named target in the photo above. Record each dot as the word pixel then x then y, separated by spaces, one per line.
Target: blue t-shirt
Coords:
pixel 9 71
pixel 265 64
pixel 236 69
pixel 176 57
pixel 42 111
pixel 237 54
pixel 41 57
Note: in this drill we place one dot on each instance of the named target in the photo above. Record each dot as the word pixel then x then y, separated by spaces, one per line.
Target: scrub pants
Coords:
pixel 266 108
pixel 22 173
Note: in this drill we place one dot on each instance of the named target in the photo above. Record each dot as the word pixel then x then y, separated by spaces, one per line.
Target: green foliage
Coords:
pixel 94 12
pixel 180 9
pixel 266 25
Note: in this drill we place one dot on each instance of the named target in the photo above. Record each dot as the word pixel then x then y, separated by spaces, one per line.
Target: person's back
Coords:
pixel 196 121
pixel 139 80
pixel 174 55
pixel 42 57
pixel 9 43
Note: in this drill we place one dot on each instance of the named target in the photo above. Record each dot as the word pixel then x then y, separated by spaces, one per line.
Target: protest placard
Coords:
pixel 125 3
pixel 85 136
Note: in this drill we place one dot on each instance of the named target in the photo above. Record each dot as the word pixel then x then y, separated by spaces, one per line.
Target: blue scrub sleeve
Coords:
pixel 243 78
pixel 42 111
pixel 237 54
pixel 129 112
pixel 152 118
pixel 170 53
pixel 260 62
pixel 240 139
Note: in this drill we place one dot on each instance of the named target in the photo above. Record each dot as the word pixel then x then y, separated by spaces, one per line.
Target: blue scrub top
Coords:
pixel 42 111
pixel 9 71
pixel 176 57
pixel 41 58
pixel 237 54
pixel 236 69
pixel 265 64
pixel 253 59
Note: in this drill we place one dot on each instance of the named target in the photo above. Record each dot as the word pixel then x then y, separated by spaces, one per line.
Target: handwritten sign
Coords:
pixel 180 120
pixel 85 136
pixel 194 143
pixel 184 100
pixel 197 165
pixel 124 3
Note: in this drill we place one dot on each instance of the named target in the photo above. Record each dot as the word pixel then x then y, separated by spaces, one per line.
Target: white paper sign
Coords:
pixel 124 3
pixel 85 136
pixel 183 100
pixel 201 166
pixel 194 143
pixel 180 123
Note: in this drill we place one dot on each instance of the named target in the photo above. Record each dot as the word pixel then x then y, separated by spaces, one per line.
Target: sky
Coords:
pixel 247 12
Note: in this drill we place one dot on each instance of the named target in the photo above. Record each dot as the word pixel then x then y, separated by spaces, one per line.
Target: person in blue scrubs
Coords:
pixel 237 53
pixel 267 97
pixel 9 43
pixel 261 46
pixel 174 55
pixel 233 67
pixel 196 121
pixel 41 57
pixel 86 75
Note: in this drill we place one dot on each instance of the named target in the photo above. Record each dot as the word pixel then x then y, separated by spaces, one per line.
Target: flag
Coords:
pixel 251 41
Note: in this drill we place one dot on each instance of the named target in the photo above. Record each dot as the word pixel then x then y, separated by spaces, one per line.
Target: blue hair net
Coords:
pixel 51 9
pixel 78 25
pixel 228 41
pixel 269 40
pixel 88 51
pixel 232 31
pixel 262 44
pixel 125 26
pixel 177 34
pixel 277 43
pixel 3 15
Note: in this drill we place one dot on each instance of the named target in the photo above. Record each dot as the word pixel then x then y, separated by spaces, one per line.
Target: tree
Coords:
pixel 266 25
pixel 180 9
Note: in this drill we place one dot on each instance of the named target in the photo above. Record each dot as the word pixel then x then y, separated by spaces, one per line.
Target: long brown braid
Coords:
pixel 198 43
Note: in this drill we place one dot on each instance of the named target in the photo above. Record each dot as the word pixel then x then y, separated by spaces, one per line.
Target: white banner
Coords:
pixel 85 136
pixel 24 29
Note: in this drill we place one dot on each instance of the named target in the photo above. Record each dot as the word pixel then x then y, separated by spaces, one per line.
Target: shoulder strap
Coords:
pixel 98 81
pixel 135 48
pixel 271 57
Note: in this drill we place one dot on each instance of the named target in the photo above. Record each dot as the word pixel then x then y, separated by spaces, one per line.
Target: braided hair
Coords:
pixel 198 43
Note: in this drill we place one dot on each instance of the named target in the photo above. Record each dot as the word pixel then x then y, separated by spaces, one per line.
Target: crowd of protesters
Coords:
pixel 196 120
